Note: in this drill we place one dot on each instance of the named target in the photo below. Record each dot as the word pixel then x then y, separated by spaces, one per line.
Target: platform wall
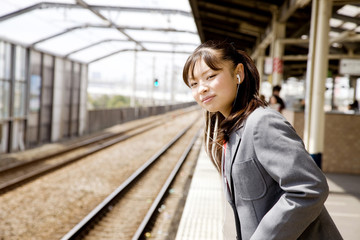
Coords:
pixel 103 118
pixel 342 140
pixel 42 98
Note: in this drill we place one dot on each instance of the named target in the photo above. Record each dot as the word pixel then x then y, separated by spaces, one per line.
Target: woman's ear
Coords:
pixel 239 70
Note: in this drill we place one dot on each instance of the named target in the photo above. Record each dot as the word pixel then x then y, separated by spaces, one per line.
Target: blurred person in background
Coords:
pixel 276 101
pixel 354 106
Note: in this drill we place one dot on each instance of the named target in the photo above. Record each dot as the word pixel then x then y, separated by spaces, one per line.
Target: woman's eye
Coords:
pixel 211 76
pixel 193 84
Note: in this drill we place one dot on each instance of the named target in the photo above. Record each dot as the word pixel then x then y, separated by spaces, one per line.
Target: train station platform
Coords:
pixel 205 208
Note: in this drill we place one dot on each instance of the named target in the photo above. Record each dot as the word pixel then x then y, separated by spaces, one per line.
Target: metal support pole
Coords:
pixel 10 146
pixel 333 94
pixel 315 115
pixel 152 102
pixel 133 90
pixel 172 80
pixel 165 84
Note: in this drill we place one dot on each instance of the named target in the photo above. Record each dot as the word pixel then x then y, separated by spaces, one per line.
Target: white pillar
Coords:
pixel 316 77
pixel 278 53
pixel 58 100
pixel 260 65
pixel 83 99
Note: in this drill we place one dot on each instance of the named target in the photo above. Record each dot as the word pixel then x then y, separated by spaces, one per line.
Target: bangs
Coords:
pixel 210 57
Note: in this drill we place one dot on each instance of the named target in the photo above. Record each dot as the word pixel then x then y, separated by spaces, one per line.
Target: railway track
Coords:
pixel 127 211
pixel 15 175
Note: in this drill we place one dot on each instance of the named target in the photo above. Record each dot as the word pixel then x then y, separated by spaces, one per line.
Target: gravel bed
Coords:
pixel 50 206
pixel 124 218
pixel 169 214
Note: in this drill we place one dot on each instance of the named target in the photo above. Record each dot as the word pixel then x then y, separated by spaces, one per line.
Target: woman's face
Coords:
pixel 214 90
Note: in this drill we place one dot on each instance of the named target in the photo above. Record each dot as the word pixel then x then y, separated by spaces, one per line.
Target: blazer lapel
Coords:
pixel 230 153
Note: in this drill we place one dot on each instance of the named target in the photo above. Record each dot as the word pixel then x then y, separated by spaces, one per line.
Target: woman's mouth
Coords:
pixel 207 99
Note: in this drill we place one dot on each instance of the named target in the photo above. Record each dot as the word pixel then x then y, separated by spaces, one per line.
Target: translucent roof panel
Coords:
pixel 170 47
pixel 67 28
pixel 335 22
pixel 101 50
pixel 161 4
pixel 349 10
pixel 8 6
pixel 73 40
pixel 27 29
pixel 151 19
pixel 38 24
pixel 333 34
pixel 349 26
pixel 176 37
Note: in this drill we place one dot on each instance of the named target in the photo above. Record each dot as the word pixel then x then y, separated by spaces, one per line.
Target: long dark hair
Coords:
pixel 217 127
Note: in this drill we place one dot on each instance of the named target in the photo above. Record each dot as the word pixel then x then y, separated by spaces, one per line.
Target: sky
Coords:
pixel 117 73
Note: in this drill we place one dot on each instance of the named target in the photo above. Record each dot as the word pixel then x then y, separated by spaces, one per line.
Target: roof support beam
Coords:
pixel 293 41
pixel 194 6
pixel 303 30
pixel 244 27
pixel 346 18
pixel 261 5
pixel 44 5
pixel 61 33
pixel 142 10
pixel 330 57
pixel 97 13
pixel 219 7
pixel 29 9
pixel 120 40
pixel 285 11
pixel 289 7
pixel 263 45
pixel 346 36
pixel 122 28
pixel 227 33
pixel 130 50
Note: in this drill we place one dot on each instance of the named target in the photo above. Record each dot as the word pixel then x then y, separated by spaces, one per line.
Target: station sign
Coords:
pixel 350 67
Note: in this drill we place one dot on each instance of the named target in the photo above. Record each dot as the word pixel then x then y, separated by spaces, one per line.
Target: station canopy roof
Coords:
pixel 89 30
pixel 249 24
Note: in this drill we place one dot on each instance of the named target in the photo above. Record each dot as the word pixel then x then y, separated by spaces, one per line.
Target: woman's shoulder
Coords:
pixel 264 117
pixel 260 119
pixel 263 112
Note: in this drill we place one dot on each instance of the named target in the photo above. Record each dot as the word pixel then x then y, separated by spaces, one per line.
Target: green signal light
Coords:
pixel 156 83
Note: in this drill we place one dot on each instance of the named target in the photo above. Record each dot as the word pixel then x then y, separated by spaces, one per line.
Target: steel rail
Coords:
pixel 11 184
pixel 99 211
pixel 24 178
pixel 150 214
pixel 67 149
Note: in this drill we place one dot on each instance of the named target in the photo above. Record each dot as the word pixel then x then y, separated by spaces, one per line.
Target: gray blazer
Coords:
pixel 273 185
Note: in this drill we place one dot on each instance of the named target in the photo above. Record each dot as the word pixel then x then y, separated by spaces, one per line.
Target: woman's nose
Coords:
pixel 203 88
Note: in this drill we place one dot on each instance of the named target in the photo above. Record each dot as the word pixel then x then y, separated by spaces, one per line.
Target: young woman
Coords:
pixel 272 184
